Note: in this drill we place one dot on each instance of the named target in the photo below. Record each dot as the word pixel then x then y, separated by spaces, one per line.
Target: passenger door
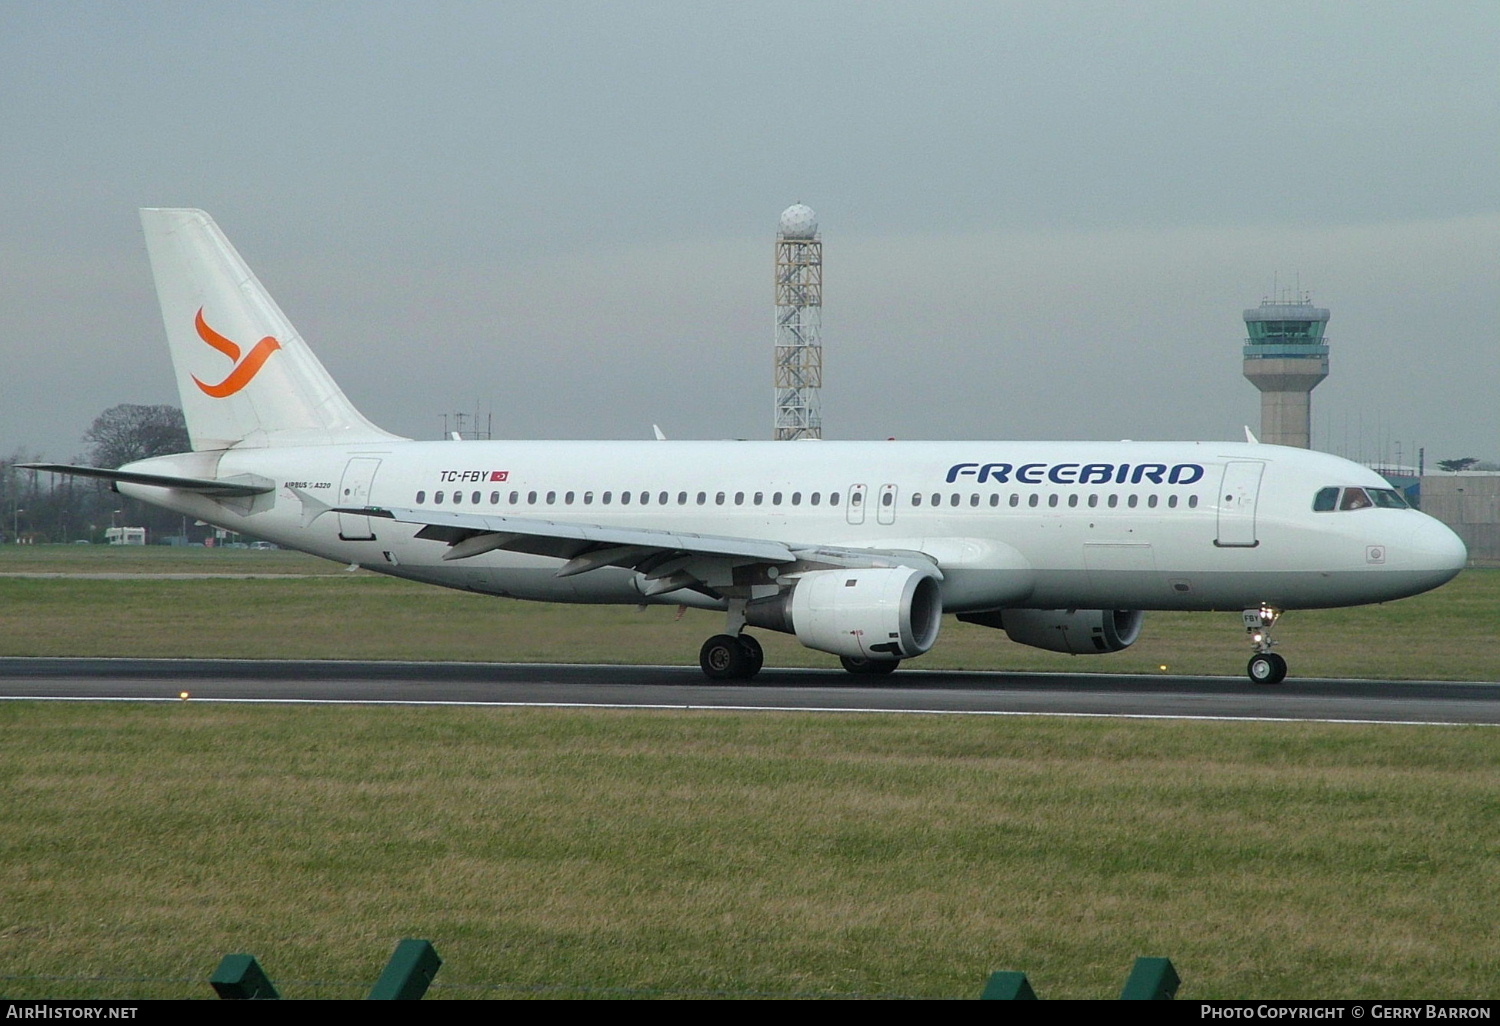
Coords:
pixel 1238 493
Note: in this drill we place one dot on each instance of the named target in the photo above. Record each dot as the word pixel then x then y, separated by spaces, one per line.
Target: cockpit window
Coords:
pixel 1359 498
pixel 1355 498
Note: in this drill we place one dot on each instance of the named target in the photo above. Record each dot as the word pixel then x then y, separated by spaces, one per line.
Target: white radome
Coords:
pixel 799 222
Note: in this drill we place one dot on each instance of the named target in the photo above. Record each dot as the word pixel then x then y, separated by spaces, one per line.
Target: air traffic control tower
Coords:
pixel 1286 356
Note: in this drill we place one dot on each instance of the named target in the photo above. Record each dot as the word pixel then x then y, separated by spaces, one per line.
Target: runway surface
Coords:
pixel 679 687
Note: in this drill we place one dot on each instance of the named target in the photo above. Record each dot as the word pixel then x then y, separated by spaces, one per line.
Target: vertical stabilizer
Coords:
pixel 245 376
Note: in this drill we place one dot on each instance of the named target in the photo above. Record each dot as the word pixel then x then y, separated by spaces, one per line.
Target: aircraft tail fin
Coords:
pixel 246 377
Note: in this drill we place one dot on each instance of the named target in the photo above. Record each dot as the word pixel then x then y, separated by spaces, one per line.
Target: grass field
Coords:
pixel 611 853
pixel 325 612
pixel 551 852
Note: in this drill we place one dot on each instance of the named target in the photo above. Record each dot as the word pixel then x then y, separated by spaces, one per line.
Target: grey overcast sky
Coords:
pixel 1039 219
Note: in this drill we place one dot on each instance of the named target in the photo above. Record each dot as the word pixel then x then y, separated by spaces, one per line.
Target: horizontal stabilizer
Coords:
pixel 244 484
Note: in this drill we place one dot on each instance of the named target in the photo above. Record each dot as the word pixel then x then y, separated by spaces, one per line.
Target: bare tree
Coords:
pixel 125 433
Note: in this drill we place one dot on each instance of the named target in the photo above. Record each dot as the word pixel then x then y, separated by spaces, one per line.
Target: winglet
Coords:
pixel 1250 436
pixel 657 431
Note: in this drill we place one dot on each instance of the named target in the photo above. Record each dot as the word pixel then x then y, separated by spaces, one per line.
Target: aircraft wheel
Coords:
pixel 1266 668
pixel 755 654
pixel 869 667
pixel 723 657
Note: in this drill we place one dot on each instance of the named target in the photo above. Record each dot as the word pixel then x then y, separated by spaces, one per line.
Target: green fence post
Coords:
pixel 409 972
pixel 1008 987
pixel 240 978
pixel 1152 979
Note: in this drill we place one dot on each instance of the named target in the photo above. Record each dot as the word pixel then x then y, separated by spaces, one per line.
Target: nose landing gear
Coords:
pixel 1265 666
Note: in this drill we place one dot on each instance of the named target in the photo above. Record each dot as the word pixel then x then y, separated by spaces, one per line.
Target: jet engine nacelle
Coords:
pixel 1076 631
pixel 886 613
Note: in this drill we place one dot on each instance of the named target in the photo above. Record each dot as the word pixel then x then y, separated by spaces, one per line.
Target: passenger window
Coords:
pixel 833 498
pixel 1355 498
pixel 1132 501
pixel 776 498
pixel 568 498
pixel 1172 501
pixel 739 498
pixel 1093 501
pixel 886 499
pixel 474 498
pixel 624 499
pixel 719 499
pixel 1192 502
pixel 916 498
pixel 588 498
pixel 421 498
pixel 551 497
pixel 437 499
pixel 814 498
pixel 953 499
pixel 645 498
pixel 1033 500
pixel 682 498
pixel 494 498
pixel 1151 501
pixel 662 498
pixel 702 498
pixel 515 497
pixel 1073 499
pixel 1326 499
pixel 1015 499
pixel 1114 500
pixel 796 498
pixel 974 499
pixel 937 500
pixel 760 497
pixel 606 497
pixel 1052 499
pixel 994 498
pixel 854 500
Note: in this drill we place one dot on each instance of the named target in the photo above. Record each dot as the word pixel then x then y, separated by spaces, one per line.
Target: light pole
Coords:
pixel 15 526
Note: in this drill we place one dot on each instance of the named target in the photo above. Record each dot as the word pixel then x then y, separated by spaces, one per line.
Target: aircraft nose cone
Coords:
pixel 1435 548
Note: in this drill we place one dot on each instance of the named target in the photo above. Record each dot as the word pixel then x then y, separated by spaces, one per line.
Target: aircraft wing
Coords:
pixel 668 559
pixel 236 486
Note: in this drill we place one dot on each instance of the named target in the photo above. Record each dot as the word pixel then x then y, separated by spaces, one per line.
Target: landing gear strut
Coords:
pixel 1265 666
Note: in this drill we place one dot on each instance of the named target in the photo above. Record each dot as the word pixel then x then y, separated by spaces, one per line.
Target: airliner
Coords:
pixel 855 548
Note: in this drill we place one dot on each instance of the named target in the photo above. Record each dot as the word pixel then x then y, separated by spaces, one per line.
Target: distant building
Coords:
pixel 125 535
pixel 1469 503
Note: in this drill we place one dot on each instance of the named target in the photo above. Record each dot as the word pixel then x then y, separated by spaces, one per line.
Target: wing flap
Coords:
pixel 570 540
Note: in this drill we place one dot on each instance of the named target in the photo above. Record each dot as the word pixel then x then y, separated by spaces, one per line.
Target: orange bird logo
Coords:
pixel 244 371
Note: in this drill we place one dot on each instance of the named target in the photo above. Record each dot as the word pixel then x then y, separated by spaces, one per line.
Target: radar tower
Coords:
pixel 799 316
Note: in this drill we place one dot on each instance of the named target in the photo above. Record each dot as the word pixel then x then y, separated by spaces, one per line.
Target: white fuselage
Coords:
pixel 1042 525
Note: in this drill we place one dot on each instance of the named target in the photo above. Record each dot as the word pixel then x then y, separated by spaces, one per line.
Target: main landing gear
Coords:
pixel 1265 666
pixel 869 667
pixel 731 657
